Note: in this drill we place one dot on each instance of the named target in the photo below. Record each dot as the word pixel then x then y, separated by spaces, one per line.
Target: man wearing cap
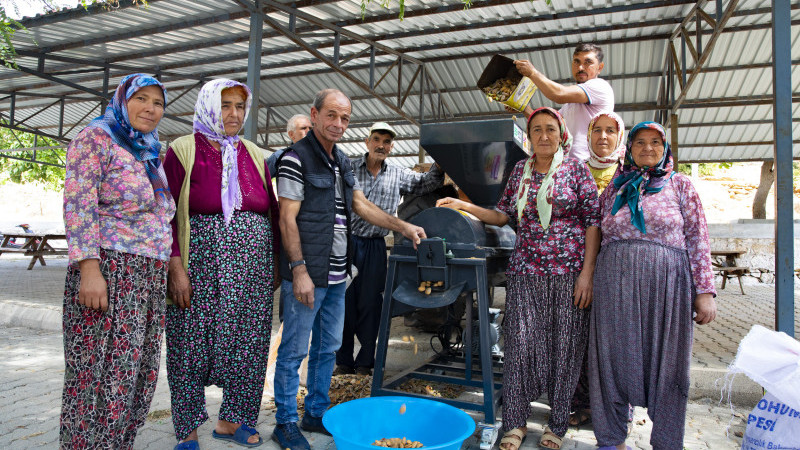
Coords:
pixel 383 185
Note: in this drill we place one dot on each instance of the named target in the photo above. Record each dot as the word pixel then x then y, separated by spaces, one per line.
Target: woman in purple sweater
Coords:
pixel 654 277
pixel 221 270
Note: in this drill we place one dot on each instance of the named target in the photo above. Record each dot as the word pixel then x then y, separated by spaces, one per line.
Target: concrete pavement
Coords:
pixel 31 372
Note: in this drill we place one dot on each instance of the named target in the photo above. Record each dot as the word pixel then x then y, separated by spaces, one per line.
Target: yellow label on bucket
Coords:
pixel 522 94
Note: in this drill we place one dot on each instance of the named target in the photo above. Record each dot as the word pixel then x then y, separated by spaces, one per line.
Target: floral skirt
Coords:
pixel 112 357
pixel 223 337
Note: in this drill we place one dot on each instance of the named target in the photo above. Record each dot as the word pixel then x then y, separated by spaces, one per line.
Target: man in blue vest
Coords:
pixel 318 193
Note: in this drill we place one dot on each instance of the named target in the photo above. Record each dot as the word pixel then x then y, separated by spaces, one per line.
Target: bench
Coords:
pixel 730 272
pixel 37 246
pixel 724 263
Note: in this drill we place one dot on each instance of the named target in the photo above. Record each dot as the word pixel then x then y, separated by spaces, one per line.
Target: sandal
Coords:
pixel 513 438
pixel 581 417
pixel 240 437
pixel 549 436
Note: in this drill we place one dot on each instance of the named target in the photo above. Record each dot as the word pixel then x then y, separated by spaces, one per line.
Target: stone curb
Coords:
pixel 22 314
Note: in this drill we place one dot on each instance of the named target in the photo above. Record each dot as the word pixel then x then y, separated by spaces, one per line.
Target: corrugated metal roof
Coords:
pixel 187 41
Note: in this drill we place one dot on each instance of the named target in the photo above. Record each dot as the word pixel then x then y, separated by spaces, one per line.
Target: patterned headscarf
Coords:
pixel 602 162
pixel 543 197
pixel 635 181
pixel 143 146
pixel 208 122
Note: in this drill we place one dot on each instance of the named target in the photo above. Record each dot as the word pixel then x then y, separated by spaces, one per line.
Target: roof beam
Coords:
pixel 699 52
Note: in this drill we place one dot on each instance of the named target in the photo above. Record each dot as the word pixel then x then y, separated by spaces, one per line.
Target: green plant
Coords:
pixel 52 177
pixel 704 169
pixel 401 14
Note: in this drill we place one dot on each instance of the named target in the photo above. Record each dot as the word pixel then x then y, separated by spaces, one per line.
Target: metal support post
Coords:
pixel 337 39
pixel 104 101
pixel 372 67
pixel 254 69
pixel 673 131
pixel 782 117
pixel 61 118
pixel 683 62
pixel 13 107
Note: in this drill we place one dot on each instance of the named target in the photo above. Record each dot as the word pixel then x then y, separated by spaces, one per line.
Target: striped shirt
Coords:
pixel 291 186
pixel 385 190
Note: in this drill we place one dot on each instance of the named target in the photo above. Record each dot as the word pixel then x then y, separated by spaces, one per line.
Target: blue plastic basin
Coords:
pixel 358 423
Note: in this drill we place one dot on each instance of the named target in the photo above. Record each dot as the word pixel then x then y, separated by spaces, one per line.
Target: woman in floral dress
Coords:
pixel 551 201
pixel 654 274
pixel 117 209
pixel 221 276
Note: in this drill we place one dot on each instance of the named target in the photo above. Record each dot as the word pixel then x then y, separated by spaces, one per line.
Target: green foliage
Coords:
pixel 705 169
pixel 23 171
pixel 8 27
pixel 401 14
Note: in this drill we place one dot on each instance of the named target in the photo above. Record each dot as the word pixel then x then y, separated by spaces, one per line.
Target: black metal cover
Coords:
pixel 478 155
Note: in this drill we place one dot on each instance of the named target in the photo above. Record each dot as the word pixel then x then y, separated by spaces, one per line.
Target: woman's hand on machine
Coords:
pixel 450 202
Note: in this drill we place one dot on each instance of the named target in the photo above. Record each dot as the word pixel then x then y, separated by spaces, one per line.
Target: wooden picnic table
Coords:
pixel 724 263
pixel 36 245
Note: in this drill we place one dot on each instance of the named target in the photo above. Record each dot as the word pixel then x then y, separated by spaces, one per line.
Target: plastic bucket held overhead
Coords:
pixel 358 423
pixel 503 67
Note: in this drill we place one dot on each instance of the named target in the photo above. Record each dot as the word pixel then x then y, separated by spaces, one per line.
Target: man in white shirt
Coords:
pixel 581 102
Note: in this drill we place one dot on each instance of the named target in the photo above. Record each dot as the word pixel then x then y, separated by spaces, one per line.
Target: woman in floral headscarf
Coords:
pixel 654 274
pixel 117 209
pixel 221 272
pixel 552 203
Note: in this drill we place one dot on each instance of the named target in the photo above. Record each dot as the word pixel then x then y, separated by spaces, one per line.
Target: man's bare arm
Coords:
pixel 554 91
pixel 376 216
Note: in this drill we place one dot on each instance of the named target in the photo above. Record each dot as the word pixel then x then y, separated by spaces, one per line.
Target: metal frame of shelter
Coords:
pixel 668 62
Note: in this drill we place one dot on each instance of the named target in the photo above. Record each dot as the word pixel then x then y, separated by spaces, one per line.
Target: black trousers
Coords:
pixel 363 301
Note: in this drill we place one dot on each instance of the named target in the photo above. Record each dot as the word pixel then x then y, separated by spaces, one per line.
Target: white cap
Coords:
pixel 382 126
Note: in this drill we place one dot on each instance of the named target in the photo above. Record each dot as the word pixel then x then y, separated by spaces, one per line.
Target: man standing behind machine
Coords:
pixel 591 96
pixel 383 185
pixel 297 128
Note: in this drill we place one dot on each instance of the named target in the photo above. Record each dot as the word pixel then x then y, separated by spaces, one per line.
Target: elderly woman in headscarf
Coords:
pixel 654 275
pixel 606 150
pixel 221 270
pixel 117 209
pixel 552 203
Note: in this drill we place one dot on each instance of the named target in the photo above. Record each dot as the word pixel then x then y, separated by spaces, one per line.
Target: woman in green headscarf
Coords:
pixel 552 204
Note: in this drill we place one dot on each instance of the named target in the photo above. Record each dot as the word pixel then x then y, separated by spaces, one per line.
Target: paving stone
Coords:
pixel 32 371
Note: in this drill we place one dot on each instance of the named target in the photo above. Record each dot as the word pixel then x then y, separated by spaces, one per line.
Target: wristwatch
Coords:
pixel 294 264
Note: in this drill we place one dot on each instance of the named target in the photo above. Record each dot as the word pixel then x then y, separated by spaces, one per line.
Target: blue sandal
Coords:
pixel 240 437
pixel 187 445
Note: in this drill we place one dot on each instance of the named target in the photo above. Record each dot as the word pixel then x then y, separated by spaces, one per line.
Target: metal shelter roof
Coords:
pixel 423 68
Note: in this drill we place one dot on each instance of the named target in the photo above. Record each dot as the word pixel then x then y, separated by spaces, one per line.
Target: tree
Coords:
pixel 760 200
pixel 51 176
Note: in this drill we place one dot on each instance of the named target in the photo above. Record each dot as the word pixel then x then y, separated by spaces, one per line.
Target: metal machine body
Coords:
pixel 463 253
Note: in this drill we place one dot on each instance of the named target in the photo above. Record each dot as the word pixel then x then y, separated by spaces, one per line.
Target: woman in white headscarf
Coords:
pixel 221 269
pixel 606 150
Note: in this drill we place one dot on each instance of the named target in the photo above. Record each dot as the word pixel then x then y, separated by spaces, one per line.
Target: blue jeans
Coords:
pixel 325 322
